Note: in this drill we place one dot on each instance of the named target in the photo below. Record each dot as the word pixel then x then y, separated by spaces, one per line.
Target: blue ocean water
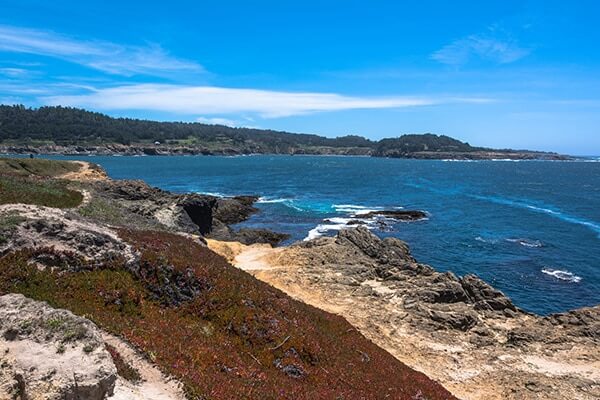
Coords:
pixel 531 229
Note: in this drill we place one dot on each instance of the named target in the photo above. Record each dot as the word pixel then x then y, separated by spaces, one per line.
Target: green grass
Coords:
pixel 49 193
pixel 103 210
pixel 8 223
pixel 37 167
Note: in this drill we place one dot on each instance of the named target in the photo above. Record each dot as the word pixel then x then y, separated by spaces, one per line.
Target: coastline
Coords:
pixel 163 150
pixel 132 258
pixel 461 332
pixel 505 354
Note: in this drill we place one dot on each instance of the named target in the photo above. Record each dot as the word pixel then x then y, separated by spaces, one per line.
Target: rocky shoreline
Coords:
pixel 459 331
pixel 170 150
pixel 129 263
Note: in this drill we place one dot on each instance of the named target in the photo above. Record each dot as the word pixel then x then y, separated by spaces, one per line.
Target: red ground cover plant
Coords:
pixel 236 338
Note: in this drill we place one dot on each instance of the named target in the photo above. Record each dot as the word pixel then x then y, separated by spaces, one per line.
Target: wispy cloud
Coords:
pixel 209 100
pixel 105 56
pixel 14 72
pixel 494 45
pixel 219 121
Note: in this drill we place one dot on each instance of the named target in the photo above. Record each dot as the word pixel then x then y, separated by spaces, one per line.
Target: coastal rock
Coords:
pixel 57 238
pixel 197 213
pixel 462 331
pixel 485 296
pixel 206 215
pixel 251 236
pixel 52 354
pixel 233 210
pixel 460 321
pixel 389 251
pixel 399 215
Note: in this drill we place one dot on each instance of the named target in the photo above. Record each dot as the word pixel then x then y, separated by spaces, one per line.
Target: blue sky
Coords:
pixel 520 74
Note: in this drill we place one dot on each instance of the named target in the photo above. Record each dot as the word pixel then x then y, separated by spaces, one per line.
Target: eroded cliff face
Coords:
pixel 461 331
pixel 51 354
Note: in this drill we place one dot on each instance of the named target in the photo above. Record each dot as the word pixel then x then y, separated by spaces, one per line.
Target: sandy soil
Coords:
pixel 85 173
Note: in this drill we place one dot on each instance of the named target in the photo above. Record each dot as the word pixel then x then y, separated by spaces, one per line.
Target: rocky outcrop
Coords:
pixel 57 237
pixel 459 330
pixel 50 354
pixel 206 215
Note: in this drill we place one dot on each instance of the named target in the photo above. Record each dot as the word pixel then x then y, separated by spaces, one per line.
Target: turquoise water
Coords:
pixel 531 229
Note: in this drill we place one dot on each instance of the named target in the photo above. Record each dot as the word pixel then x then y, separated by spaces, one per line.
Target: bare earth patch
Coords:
pixel 87 172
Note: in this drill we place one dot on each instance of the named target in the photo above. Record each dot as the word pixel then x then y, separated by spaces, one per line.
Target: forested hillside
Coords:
pixel 54 129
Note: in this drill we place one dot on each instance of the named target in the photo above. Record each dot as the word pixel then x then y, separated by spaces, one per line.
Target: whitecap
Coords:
pixel 331 225
pixel 526 242
pixel 562 275
pixel 548 211
pixel 286 202
pixel 321 229
pixel 486 240
pixel 355 209
pixel 268 200
pixel 214 194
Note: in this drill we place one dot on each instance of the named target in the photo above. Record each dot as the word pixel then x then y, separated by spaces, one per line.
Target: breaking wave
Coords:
pixel 562 275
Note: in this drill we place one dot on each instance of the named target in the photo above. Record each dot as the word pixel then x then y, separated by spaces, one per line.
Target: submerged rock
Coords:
pixel 400 215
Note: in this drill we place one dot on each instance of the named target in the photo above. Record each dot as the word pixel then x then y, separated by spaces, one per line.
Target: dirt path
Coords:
pixel 154 385
pixel 86 173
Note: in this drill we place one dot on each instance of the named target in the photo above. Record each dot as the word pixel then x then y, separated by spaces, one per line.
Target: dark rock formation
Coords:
pixel 199 212
pixel 400 215
pixel 206 215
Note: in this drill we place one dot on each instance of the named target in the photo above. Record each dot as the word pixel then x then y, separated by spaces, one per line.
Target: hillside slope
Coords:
pixel 222 333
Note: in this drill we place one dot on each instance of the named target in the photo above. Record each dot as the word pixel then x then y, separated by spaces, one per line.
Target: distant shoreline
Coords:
pixel 165 150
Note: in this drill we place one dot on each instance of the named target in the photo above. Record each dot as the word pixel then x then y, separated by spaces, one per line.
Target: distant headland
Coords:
pixel 72 131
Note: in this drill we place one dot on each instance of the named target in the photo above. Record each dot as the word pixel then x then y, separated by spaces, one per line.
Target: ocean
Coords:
pixel 529 228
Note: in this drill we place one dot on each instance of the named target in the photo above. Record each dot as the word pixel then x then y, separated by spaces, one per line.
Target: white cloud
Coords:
pixel 101 55
pixel 219 121
pixel 209 100
pixel 484 46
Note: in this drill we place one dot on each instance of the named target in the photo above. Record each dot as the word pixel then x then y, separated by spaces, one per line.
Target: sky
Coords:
pixel 506 74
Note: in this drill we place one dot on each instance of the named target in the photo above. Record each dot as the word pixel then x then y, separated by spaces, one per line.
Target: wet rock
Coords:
pixel 199 212
pixel 250 236
pixel 399 215
pixel 233 210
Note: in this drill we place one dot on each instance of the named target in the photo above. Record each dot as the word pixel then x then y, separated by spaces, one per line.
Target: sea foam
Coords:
pixel 562 275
